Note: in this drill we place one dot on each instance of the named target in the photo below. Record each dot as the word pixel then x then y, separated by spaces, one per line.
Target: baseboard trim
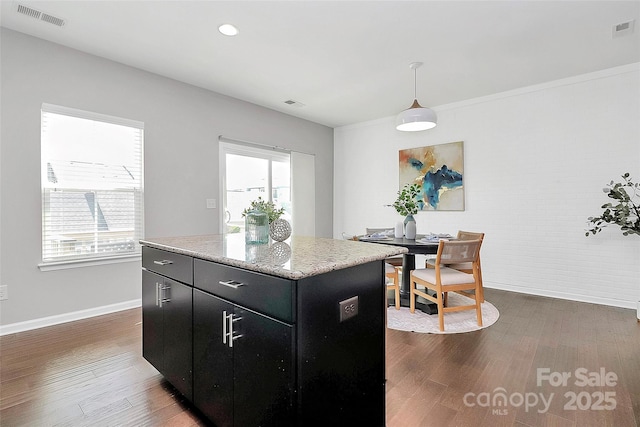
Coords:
pixel 562 295
pixel 42 322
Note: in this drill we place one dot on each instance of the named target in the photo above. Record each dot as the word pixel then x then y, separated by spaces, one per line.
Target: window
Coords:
pixel 92 192
pixel 285 177
pixel 252 172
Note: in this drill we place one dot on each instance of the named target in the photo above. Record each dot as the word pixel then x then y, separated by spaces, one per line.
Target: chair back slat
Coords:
pixel 469 235
pixel 458 251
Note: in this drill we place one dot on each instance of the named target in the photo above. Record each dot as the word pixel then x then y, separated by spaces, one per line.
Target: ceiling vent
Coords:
pixel 623 29
pixel 294 103
pixel 39 15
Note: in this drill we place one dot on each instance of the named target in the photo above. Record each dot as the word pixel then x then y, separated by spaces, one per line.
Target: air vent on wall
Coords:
pixel 294 103
pixel 39 15
pixel 623 29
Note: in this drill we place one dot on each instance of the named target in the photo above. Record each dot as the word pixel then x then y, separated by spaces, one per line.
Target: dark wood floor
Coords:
pixel 91 372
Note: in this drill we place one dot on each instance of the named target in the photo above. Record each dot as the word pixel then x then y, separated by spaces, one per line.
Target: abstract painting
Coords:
pixel 438 169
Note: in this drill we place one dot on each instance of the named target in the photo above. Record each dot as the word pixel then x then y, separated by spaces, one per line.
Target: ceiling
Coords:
pixel 346 61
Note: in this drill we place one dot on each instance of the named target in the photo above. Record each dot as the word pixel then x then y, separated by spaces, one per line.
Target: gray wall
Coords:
pixel 182 124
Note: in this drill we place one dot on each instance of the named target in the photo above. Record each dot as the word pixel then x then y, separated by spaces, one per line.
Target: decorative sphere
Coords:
pixel 279 252
pixel 280 230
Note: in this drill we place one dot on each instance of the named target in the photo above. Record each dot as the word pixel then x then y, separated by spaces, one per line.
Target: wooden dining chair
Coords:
pixel 391 272
pixel 392 267
pixel 464 267
pixel 442 279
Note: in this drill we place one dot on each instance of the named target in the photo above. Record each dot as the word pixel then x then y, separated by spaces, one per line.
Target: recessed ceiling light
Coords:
pixel 228 30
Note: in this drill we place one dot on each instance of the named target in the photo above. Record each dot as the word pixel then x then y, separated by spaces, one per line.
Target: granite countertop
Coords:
pixel 296 258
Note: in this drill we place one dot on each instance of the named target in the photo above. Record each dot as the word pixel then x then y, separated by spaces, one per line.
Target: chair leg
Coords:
pixel 397 289
pixel 440 313
pixel 480 288
pixel 397 293
pixel 478 302
pixel 412 296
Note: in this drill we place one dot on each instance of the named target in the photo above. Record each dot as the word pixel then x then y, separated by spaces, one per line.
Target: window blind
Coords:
pixel 92 185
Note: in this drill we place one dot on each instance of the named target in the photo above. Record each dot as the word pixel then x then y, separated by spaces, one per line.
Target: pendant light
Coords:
pixel 416 117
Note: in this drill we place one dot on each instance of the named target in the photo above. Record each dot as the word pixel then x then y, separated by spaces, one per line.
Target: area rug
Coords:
pixel 454 323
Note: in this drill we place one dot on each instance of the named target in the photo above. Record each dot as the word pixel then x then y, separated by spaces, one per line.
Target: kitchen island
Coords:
pixel 280 334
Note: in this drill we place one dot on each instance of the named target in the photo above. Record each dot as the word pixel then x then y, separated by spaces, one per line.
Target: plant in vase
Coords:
pixel 279 229
pixel 265 206
pixel 406 204
pixel 625 213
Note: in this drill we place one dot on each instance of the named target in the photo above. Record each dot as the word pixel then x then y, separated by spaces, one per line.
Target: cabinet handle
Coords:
pixel 225 333
pixel 232 284
pixel 163 297
pixel 163 262
pixel 158 303
pixel 232 337
pixel 224 327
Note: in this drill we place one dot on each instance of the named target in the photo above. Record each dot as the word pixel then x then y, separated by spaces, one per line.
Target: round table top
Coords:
pixel 415 246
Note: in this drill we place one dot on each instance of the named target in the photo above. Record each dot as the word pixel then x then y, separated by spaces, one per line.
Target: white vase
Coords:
pixel 399 230
pixel 638 311
pixel 410 231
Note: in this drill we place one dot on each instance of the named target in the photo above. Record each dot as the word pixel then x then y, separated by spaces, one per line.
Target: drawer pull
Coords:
pixel 163 262
pixel 232 284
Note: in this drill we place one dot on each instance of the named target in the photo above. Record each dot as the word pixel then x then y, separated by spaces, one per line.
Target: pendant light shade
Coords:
pixel 416 117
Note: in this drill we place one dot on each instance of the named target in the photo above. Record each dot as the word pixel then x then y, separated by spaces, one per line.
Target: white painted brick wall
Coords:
pixel 536 160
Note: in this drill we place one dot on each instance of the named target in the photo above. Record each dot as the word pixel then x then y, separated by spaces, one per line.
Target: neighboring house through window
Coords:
pixel 92 186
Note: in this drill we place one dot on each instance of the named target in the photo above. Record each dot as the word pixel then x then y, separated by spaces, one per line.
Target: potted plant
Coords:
pixel 624 212
pixel 278 229
pixel 265 206
pixel 406 204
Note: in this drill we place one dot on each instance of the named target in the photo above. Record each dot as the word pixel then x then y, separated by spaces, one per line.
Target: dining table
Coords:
pixel 421 245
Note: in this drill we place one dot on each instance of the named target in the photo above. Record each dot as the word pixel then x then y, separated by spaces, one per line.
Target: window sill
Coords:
pixel 90 262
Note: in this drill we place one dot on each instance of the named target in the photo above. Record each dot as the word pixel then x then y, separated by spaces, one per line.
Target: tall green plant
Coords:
pixel 625 212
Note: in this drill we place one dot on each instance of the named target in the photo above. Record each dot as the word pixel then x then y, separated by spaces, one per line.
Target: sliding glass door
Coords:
pixel 249 173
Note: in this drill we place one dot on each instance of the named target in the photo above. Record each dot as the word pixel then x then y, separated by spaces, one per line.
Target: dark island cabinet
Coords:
pixel 152 320
pixel 267 350
pixel 167 318
pixel 243 365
